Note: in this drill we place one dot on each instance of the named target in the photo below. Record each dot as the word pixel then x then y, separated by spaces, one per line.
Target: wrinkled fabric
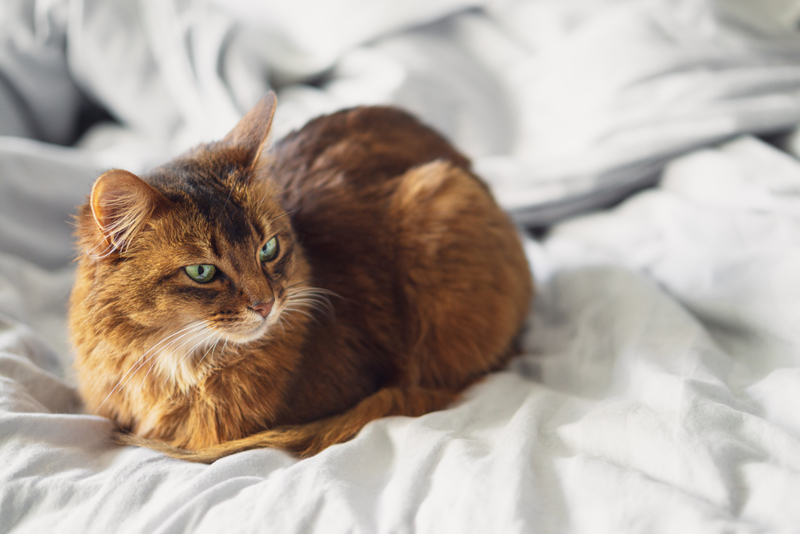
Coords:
pixel 659 380
pixel 657 392
pixel 563 105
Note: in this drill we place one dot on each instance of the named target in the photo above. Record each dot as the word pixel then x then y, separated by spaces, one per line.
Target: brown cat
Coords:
pixel 242 297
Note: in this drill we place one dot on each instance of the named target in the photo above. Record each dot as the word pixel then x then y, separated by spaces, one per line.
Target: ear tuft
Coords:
pixel 252 132
pixel 121 204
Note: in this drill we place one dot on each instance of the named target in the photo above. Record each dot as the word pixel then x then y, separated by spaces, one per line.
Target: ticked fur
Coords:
pixel 397 282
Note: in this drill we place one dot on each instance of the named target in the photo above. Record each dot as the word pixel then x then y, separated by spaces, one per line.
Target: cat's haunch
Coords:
pixel 245 296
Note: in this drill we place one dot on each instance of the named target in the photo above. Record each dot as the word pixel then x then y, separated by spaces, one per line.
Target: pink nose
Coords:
pixel 264 308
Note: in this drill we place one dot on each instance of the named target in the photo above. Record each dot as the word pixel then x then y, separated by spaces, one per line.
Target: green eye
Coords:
pixel 201 273
pixel 269 251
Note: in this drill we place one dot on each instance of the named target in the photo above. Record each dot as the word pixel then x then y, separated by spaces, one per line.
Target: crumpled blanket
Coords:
pixel 658 387
pixel 565 105
pixel 657 393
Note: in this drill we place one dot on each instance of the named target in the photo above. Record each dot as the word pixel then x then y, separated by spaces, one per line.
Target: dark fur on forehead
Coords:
pixel 213 180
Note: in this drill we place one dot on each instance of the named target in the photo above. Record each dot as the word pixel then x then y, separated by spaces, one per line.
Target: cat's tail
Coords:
pixel 311 438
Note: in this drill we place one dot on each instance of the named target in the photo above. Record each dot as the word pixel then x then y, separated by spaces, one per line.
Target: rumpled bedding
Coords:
pixel 659 384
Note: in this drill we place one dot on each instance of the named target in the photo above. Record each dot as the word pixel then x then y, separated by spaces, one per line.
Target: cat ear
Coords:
pixel 252 132
pixel 122 203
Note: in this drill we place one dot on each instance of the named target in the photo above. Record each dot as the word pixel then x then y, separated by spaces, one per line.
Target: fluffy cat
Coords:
pixel 243 296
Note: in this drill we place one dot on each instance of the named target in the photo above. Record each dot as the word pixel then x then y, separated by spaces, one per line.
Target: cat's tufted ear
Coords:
pixel 122 203
pixel 252 132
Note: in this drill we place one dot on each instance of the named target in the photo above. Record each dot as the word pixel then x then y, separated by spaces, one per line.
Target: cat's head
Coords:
pixel 200 249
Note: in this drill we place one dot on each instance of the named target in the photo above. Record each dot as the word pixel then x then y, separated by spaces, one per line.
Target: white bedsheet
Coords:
pixel 563 104
pixel 660 384
pixel 658 393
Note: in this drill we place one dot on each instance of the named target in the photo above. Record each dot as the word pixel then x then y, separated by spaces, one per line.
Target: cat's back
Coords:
pixel 395 223
pixel 338 176
pixel 364 144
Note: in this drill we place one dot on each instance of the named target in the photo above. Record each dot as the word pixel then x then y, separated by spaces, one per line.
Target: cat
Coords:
pixel 245 295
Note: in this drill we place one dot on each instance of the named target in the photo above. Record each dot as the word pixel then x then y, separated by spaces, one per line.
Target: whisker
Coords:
pixel 154 357
pixel 314 298
pixel 139 363
pixel 313 306
pixel 188 354
pixel 315 292
pixel 227 200
pixel 213 346
pixel 300 310
pixel 281 321
pixel 316 289
pixel 298 283
pixel 215 350
pixel 280 216
pixel 319 290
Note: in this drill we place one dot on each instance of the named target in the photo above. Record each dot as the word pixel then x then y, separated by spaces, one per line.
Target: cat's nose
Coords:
pixel 263 308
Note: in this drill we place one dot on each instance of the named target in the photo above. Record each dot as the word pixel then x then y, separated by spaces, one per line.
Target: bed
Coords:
pixel 650 146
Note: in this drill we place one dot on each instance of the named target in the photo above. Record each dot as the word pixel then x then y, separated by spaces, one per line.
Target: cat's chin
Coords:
pixel 242 337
